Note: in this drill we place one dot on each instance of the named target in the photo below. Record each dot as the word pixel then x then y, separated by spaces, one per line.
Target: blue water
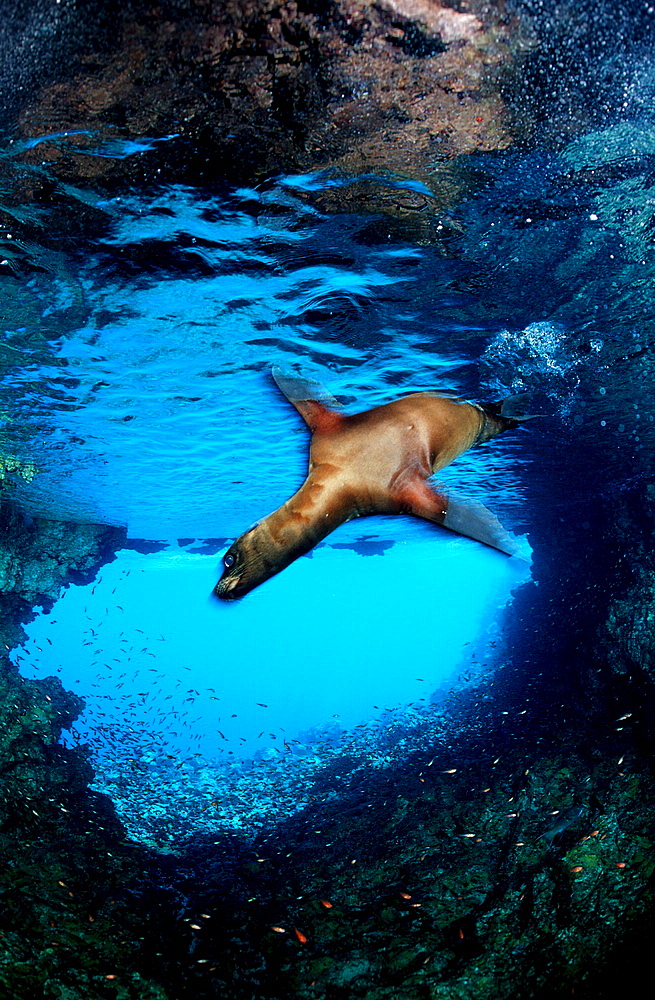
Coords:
pixel 141 393
pixel 170 371
pixel 148 634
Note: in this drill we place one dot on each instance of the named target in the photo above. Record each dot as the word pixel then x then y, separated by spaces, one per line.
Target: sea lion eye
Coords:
pixel 228 560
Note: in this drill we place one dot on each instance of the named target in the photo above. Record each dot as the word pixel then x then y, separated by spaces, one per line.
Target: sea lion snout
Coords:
pixel 225 588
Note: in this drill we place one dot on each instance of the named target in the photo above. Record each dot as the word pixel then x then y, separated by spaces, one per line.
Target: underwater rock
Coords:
pixel 246 90
pixel 64 863
pixel 37 557
pixel 627 638
pixel 33 716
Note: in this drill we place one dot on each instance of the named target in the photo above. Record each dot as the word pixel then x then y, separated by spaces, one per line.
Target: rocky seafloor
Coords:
pixel 475 891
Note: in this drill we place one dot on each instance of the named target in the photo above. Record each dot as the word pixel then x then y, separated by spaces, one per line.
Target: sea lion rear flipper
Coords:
pixel 312 400
pixel 462 515
pixel 471 518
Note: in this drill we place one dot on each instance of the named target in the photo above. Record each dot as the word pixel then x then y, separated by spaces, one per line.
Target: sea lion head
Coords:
pixel 240 564
pixel 248 562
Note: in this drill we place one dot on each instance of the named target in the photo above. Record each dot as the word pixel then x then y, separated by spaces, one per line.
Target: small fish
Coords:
pixel 299 934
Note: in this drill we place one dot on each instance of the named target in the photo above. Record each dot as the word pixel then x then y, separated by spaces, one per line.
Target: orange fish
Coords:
pixel 326 903
pixel 301 937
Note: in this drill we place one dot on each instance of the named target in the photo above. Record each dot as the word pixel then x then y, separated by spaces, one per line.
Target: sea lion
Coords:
pixel 376 462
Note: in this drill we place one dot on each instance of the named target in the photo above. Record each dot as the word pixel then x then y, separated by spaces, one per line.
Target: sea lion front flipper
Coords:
pixel 312 400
